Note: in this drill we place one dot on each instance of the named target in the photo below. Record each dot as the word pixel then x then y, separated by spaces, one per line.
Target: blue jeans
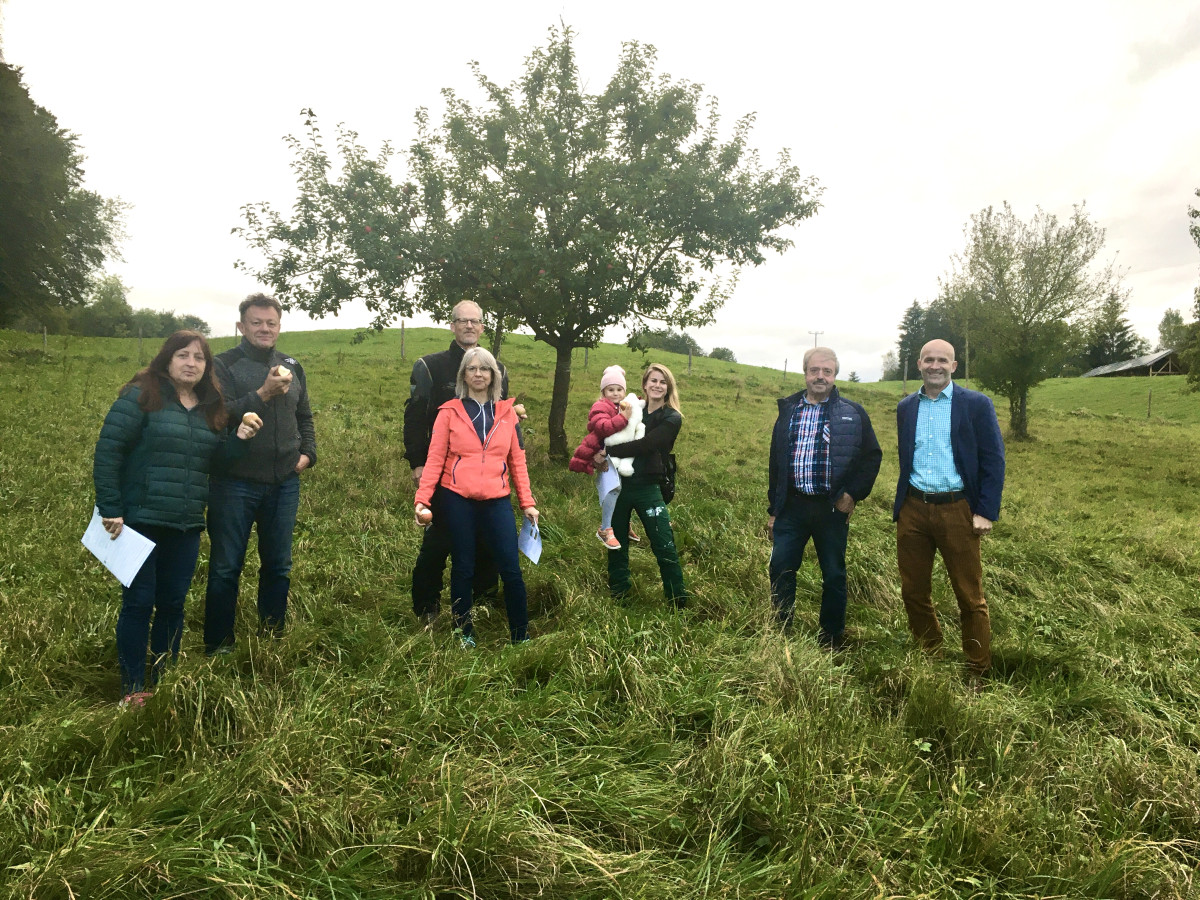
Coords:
pixel 158 591
pixel 234 506
pixel 490 522
pixel 800 519
pixel 431 563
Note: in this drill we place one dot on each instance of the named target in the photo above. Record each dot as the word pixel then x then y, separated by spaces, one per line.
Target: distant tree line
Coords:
pixel 1029 300
pixel 107 313
pixel 643 339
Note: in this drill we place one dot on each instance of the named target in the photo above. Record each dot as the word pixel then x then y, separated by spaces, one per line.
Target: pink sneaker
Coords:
pixel 633 536
pixel 137 699
pixel 608 539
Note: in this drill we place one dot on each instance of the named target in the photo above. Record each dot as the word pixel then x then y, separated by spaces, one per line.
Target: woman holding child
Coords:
pixel 475 454
pixel 641 492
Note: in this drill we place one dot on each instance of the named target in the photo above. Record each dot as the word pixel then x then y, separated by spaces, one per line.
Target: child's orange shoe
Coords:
pixel 608 539
pixel 633 536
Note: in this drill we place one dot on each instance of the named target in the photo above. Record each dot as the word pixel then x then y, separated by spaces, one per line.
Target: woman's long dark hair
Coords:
pixel 208 391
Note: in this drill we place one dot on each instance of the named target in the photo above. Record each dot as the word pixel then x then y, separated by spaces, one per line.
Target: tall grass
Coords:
pixel 629 750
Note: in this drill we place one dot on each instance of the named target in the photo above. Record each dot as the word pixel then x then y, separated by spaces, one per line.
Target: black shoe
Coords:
pixel 834 643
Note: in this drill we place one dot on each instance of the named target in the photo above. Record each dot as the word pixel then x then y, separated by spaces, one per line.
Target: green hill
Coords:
pixel 628 751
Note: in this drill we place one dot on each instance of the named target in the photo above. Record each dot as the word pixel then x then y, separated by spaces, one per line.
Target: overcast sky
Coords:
pixel 912 116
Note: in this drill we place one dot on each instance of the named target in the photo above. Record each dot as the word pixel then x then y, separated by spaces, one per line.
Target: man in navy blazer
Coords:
pixel 947 497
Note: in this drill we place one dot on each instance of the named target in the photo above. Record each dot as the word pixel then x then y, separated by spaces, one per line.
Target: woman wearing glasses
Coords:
pixel 475 455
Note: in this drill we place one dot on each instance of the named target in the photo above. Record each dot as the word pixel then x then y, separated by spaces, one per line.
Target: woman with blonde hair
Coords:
pixel 476 456
pixel 642 491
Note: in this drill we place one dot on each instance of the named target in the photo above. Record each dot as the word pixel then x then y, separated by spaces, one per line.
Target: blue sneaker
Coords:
pixel 467 641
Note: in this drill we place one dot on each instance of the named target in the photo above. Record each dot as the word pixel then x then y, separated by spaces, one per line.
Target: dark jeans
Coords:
pixel 946 528
pixel 158 590
pixel 431 563
pixel 489 523
pixel 646 500
pixel 800 519
pixel 234 506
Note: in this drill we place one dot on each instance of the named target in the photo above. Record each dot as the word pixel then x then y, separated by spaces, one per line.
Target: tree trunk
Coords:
pixel 497 337
pixel 1018 415
pixel 558 402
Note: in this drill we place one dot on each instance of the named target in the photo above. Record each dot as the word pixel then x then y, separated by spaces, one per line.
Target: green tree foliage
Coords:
pixel 853 378
pixel 567 210
pixel 107 313
pixel 722 353
pixel 1020 286
pixel 663 339
pixel 54 234
pixel 891 367
pixel 1190 356
pixel 1172 332
pixel 912 336
pixel 1109 336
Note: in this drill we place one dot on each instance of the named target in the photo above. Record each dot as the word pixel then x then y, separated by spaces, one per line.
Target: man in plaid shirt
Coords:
pixel 824 460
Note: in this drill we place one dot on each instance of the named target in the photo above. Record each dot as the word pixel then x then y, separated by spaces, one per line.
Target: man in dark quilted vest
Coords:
pixel 431 384
pixel 261 490
pixel 824 460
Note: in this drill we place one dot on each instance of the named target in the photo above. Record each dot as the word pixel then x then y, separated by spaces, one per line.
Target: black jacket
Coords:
pixel 287 420
pixel 854 451
pixel 662 427
pixel 431 384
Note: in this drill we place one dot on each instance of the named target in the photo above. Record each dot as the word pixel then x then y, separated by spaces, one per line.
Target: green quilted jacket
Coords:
pixel 152 468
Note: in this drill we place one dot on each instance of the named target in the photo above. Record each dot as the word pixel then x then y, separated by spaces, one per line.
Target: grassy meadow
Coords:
pixel 628 750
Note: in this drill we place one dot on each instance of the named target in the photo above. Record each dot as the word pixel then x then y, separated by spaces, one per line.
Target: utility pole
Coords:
pixel 816 334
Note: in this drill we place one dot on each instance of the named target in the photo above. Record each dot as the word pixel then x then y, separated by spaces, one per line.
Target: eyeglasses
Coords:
pixel 477 370
pixel 473 322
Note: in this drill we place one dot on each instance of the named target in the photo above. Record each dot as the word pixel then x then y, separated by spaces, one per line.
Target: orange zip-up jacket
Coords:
pixel 477 471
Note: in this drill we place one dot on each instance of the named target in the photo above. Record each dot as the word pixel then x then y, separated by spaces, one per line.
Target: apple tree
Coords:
pixel 560 210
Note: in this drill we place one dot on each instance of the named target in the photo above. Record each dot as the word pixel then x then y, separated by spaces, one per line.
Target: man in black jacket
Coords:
pixel 262 488
pixel 431 384
pixel 824 460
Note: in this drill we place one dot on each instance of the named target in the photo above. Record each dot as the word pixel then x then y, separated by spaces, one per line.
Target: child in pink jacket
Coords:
pixel 608 415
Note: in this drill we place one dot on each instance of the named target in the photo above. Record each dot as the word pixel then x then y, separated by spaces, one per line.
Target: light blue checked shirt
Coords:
pixel 933 469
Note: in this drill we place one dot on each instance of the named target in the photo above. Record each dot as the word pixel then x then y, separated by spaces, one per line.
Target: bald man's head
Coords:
pixel 936 365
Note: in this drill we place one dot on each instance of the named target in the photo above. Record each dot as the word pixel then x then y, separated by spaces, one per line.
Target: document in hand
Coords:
pixel 607 482
pixel 123 556
pixel 529 541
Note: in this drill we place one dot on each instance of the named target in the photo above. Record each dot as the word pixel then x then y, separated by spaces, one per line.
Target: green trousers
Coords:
pixel 646 500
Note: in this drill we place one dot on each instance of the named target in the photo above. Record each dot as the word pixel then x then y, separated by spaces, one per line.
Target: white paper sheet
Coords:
pixel 529 541
pixel 124 556
pixel 607 481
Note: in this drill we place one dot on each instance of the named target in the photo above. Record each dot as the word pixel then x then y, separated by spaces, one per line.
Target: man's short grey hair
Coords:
pixel 477 356
pixel 824 353
pixel 454 312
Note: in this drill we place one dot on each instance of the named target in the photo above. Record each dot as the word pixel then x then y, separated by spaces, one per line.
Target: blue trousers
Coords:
pixel 489 522
pixel 800 519
pixel 158 591
pixel 431 563
pixel 234 507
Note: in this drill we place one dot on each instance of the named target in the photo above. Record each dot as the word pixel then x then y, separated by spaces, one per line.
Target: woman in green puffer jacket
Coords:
pixel 151 472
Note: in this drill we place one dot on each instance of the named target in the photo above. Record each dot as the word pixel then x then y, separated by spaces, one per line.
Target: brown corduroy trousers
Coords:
pixel 922 529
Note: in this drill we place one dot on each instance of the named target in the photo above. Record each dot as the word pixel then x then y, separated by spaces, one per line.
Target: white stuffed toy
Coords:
pixel 631 432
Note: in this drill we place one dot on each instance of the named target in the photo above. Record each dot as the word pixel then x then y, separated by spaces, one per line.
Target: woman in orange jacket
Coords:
pixel 474 454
